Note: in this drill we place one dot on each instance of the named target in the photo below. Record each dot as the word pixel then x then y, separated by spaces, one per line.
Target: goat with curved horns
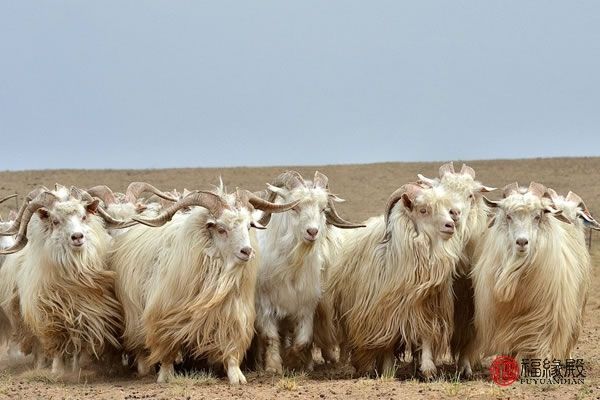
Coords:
pixel 188 285
pixel 531 279
pixel 65 294
pixel 397 292
pixel 471 218
pixel 296 250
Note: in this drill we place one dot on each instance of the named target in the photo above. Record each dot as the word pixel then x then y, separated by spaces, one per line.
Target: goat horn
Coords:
pixel 551 193
pixel 574 197
pixel 334 218
pixel 104 193
pixel 43 200
pixel 447 168
pixel 113 223
pixel 320 180
pixel 17 223
pixel 411 190
pixel 110 221
pixel 537 189
pixel 209 200
pixel 8 197
pixel 466 170
pixel 427 181
pixel 510 189
pixel 289 180
pixel 265 205
pixel 135 189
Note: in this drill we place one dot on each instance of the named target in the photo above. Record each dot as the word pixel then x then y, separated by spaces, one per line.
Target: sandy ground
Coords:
pixel 366 188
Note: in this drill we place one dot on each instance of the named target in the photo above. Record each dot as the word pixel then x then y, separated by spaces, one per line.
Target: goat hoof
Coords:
pixel 274 370
pixel 428 371
pixel 237 378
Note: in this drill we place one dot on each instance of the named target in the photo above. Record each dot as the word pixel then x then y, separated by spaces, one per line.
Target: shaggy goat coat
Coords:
pixel 66 297
pixel 291 276
pixel 178 295
pixel 394 293
pixel 531 306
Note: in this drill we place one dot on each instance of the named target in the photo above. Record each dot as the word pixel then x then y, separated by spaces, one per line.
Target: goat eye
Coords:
pixel 222 231
pixel 508 218
pixel 538 217
pixel 84 218
pixel 55 222
pixel 423 211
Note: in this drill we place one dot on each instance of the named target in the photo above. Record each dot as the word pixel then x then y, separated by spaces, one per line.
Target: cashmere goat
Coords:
pixel 296 250
pixel 531 278
pixel 397 293
pixel 188 285
pixel 471 218
pixel 64 292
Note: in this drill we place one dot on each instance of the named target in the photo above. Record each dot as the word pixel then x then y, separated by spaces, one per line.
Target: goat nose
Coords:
pixel 522 242
pixel 246 251
pixel 449 225
pixel 312 231
pixel 77 236
pixel 455 214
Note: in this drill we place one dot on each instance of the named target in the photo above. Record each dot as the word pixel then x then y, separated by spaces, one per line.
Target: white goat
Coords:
pixel 189 285
pixel 65 294
pixel 397 292
pixel 296 249
pixel 471 218
pixel 531 278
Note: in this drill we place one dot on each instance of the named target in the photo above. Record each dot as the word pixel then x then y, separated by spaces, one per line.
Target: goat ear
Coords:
pixel 558 214
pixel 92 207
pixel 257 225
pixel 335 198
pixel 490 203
pixel 275 189
pixel 589 221
pixel 43 213
pixel 485 189
pixel 407 201
pixel 211 223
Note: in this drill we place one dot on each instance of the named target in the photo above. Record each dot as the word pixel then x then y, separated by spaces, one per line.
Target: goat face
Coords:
pixel 465 187
pixel 231 236
pixel 307 219
pixel 430 209
pixel 66 223
pixel 521 217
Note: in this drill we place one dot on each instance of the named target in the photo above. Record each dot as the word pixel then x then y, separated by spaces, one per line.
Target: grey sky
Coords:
pixel 136 84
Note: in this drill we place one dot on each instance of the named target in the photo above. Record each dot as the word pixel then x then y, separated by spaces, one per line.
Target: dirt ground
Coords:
pixel 365 187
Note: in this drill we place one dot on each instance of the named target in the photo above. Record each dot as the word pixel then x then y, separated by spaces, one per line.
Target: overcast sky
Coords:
pixel 147 84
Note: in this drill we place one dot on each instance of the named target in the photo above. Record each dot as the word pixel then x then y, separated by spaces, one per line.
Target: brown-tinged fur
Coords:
pixel 531 306
pixel 399 291
pixel 67 298
pixel 179 295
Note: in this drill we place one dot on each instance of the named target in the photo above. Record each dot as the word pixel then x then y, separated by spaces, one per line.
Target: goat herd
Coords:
pixel 443 272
